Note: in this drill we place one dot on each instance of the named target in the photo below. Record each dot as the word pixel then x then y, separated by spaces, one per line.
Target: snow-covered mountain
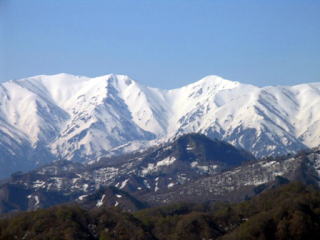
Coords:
pixel 79 118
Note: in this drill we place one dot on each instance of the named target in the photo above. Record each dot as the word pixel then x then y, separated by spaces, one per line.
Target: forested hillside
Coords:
pixel 288 212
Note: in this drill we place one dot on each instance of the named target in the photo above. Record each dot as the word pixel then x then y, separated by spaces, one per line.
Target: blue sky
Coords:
pixel 164 43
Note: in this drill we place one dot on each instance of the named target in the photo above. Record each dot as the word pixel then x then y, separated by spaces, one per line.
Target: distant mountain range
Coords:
pixel 66 117
pixel 190 168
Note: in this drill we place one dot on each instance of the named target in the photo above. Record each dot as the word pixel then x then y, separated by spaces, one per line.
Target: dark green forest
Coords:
pixel 288 212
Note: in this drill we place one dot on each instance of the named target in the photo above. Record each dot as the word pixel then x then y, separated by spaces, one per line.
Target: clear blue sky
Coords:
pixel 164 43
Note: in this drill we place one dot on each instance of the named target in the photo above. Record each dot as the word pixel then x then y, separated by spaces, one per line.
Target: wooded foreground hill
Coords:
pixel 288 212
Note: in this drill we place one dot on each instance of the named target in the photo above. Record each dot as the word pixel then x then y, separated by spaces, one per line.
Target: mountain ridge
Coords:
pixel 80 118
pixel 160 168
pixel 192 168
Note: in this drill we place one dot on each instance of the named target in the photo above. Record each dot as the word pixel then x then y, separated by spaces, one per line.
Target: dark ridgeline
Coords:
pixel 175 163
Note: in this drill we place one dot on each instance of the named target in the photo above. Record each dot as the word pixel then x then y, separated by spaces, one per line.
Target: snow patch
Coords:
pixel 100 202
pixel 39 184
pixel 124 183
pixel 82 197
pixel 156 167
pixel 166 162
pixel 189 147
pixel 36 198
pixel 85 187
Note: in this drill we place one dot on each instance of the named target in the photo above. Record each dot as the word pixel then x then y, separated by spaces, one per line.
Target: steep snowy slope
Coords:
pixel 270 120
pixel 70 117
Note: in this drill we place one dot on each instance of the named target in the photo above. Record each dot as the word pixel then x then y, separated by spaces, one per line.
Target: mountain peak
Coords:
pixel 216 82
pixel 119 79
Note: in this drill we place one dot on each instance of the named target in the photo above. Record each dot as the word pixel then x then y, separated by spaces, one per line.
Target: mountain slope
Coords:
pixel 246 180
pixel 158 169
pixel 79 118
pixel 193 168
